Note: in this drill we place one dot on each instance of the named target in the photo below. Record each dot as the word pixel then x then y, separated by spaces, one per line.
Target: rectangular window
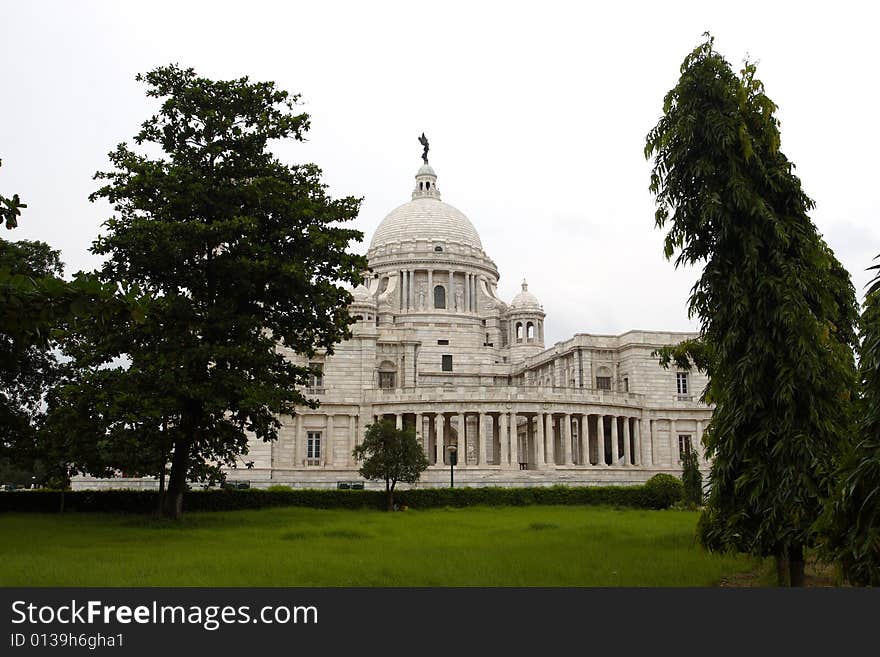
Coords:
pixel 626 384
pixel 442 341
pixel 603 382
pixel 386 379
pixel 313 448
pixel 316 378
pixel 447 363
pixel 684 445
pixel 681 380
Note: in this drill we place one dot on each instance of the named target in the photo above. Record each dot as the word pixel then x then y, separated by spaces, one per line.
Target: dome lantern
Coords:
pixel 426 183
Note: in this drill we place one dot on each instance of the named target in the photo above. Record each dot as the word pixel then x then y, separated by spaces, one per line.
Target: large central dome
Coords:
pixel 426 217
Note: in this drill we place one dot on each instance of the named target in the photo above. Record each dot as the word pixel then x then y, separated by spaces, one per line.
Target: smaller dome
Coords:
pixel 525 300
pixel 426 170
pixel 362 295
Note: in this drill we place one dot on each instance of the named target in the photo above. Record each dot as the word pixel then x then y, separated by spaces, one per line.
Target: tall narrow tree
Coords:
pixel 851 523
pixel 776 309
pixel 245 258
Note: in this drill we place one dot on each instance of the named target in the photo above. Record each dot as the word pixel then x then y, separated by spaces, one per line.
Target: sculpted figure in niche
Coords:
pixel 423 292
pixel 459 297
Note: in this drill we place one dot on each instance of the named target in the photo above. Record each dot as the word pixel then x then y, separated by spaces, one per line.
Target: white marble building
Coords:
pixel 434 348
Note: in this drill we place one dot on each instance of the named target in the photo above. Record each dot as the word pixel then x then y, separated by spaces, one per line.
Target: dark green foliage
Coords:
pixel 851 522
pixel 239 253
pixel 692 478
pixel 122 501
pixel 776 309
pixel 392 455
pixel 664 490
pixel 10 210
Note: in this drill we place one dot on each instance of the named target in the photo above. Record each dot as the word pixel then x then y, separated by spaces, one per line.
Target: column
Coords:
pixel 352 438
pixel 300 442
pixel 637 439
pixel 429 302
pixel 412 289
pixel 627 454
pixel 614 445
pixel 474 284
pixel 514 441
pixel 483 437
pixel 504 459
pixel 420 431
pixel 450 293
pixel 549 439
pixel 462 440
pixel 584 436
pixel 600 426
pixel 698 439
pixel 673 444
pixel 327 452
pixel 467 292
pixel 399 421
pixel 404 294
pixel 539 442
pixel 566 439
pixel 439 442
pixel 653 454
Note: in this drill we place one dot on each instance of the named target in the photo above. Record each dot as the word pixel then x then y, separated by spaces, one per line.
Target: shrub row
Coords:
pixel 116 501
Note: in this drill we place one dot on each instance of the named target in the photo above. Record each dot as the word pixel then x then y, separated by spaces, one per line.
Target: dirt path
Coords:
pixel 815 575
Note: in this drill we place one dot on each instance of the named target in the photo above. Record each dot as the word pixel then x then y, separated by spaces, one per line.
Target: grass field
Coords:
pixel 523 546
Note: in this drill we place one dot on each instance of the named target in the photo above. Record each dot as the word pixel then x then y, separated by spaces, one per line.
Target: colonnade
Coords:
pixel 524 440
pixel 410 298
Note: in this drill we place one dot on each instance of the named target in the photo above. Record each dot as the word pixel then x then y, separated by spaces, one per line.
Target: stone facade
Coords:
pixel 434 348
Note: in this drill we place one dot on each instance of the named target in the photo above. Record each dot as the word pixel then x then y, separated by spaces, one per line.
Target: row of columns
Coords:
pixel 537 444
pixel 409 293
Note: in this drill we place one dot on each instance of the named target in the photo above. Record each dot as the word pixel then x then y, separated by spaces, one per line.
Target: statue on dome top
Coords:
pixel 424 142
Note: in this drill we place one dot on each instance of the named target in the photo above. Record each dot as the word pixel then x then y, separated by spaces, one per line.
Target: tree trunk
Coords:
pixel 781 569
pixel 161 489
pixel 796 564
pixel 172 505
pixel 389 496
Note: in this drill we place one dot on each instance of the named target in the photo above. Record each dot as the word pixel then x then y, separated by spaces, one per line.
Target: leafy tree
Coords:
pixel 29 367
pixel 10 209
pixel 392 455
pixel 36 306
pixel 776 309
pixel 851 522
pixel 243 259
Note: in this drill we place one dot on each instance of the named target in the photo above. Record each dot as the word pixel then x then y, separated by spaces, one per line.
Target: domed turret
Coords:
pixel 525 321
pixel 525 300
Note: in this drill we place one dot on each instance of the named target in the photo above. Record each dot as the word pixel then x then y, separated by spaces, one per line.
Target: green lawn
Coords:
pixel 523 546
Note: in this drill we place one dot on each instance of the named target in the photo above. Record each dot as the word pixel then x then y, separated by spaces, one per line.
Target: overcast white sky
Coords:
pixel 536 114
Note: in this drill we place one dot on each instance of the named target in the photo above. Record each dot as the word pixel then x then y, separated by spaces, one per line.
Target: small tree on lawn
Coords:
pixel 391 454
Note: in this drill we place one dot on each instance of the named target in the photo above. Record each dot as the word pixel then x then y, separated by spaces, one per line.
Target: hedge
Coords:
pixel 126 501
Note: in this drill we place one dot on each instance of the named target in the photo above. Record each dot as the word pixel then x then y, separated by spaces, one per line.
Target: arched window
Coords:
pixel 427 185
pixel 519 332
pixel 387 371
pixel 439 297
pixel 530 332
